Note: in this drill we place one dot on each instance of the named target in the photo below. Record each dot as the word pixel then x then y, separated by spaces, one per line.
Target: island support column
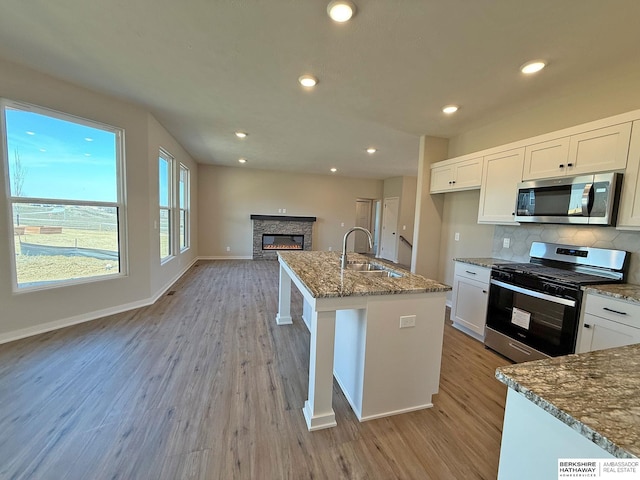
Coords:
pixel 318 409
pixel 284 298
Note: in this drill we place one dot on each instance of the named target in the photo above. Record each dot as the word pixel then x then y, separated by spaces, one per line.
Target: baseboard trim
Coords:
pixel 239 257
pixel 89 316
pixel 69 321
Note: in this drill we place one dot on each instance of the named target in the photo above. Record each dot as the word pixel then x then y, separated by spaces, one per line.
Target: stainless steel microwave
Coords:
pixel 586 199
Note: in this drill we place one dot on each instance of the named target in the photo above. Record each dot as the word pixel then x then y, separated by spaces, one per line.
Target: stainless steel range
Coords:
pixel 534 307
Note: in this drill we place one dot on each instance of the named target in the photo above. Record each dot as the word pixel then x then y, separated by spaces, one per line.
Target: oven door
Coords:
pixel 544 322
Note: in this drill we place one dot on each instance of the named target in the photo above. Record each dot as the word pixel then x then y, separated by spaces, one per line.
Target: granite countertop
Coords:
pixel 594 393
pixel 320 272
pixel 622 291
pixel 487 262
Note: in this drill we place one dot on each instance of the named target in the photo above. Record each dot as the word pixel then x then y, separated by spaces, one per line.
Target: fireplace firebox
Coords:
pixel 275 241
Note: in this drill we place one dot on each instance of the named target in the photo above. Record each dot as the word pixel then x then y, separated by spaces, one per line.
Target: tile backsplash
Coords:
pixel 521 237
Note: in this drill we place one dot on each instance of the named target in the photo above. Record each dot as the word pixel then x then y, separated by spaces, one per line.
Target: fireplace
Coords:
pixel 276 241
pixel 273 233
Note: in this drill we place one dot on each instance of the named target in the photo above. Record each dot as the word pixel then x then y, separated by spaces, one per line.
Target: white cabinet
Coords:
pixel 629 213
pixel 501 174
pixel 598 150
pixel 453 176
pixel 470 297
pixel 608 323
pixel 543 159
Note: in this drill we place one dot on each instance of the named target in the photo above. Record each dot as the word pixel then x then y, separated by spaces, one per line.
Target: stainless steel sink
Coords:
pixel 380 273
pixel 363 267
pixel 371 269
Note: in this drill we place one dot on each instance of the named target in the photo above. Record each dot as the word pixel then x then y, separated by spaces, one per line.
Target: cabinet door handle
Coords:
pixel 561 165
pixel 614 311
pixel 471 273
pixel 586 325
pixel 569 164
pixel 484 291
pixel 453 181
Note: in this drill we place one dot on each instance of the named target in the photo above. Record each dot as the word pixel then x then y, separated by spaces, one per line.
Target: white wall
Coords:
pixel 610 93
pixel 27 313
pixel 227 196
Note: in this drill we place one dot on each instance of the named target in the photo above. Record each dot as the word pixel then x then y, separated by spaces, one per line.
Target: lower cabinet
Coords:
pixel 469 299
pixel 608 323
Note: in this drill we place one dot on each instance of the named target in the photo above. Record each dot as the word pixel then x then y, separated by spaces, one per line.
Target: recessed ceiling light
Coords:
pixel 241 134
pixel 533 66
pixel 341 10
pixel 308 81
pixel 371 150
pixel 242 160
pixel 30 133
pixel 88 139
pixel 449 109
pixel 334 170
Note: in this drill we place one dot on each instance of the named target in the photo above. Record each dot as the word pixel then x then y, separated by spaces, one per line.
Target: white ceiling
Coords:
pixel 206 68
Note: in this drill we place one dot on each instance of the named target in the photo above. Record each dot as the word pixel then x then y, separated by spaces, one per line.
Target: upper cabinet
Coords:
pixel 629 213
pixel 599 150
pixel 546 159
pixel 453 176
pixel 502 172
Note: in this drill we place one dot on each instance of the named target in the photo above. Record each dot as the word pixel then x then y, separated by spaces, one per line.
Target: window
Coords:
pixel 64 196
pixel 165 177
pixel 184 207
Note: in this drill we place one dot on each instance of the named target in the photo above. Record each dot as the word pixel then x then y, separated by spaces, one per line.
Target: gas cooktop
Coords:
pixel 557 274
pixel 571 264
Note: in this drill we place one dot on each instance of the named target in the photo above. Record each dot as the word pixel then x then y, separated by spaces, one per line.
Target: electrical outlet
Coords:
pixel 506 242
pixel 407 321
pixel 228 249
pixel 342 224
pixel 279 210
pixel 456 237
pixel 284 210
pixel 404 227
pixel 331 249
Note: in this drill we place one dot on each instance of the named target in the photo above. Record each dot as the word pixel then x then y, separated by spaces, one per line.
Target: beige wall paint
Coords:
pixel 227 197
pixel 611 92
pixel 405 189
pixel 429 208
pixel 29 313
pixel 163 275
pixel 460 214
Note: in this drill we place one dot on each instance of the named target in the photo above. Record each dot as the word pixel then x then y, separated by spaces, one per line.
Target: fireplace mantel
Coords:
pixel 279 225
pixel 282 218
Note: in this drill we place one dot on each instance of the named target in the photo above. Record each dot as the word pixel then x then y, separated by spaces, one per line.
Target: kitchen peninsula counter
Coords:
pixel 588 403
pixel 487 262
pixel 365 330
pixel 321 274
pixel 622 291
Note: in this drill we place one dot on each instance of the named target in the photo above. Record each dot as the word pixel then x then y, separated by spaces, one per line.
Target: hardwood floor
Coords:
pixel 203 384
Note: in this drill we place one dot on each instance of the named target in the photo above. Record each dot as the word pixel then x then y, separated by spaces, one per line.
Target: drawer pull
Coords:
pixel 471 273
pixel 586 325
pixel 484 291
pixel 614 311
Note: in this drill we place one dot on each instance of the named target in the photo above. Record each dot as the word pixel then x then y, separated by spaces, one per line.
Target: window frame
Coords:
pixel 119 204
pixel 170 208
pixel 186 208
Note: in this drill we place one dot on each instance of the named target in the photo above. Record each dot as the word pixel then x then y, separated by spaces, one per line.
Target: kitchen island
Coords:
pixel 575 406
pixel 380 336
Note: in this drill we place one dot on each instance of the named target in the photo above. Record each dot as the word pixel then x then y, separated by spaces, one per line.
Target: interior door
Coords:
pixel 363 219
pixel 389 243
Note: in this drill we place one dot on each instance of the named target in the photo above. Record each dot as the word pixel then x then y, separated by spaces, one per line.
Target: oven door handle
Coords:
pixel 532 293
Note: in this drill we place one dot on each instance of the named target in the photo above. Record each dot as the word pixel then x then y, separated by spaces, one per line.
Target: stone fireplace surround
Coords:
pixel 279 224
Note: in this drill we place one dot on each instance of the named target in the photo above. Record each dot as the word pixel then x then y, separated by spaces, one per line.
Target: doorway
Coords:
pixel 363 219
pixel 389 240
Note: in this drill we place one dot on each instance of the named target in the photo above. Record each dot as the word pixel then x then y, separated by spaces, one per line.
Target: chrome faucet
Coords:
pixel 343 259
